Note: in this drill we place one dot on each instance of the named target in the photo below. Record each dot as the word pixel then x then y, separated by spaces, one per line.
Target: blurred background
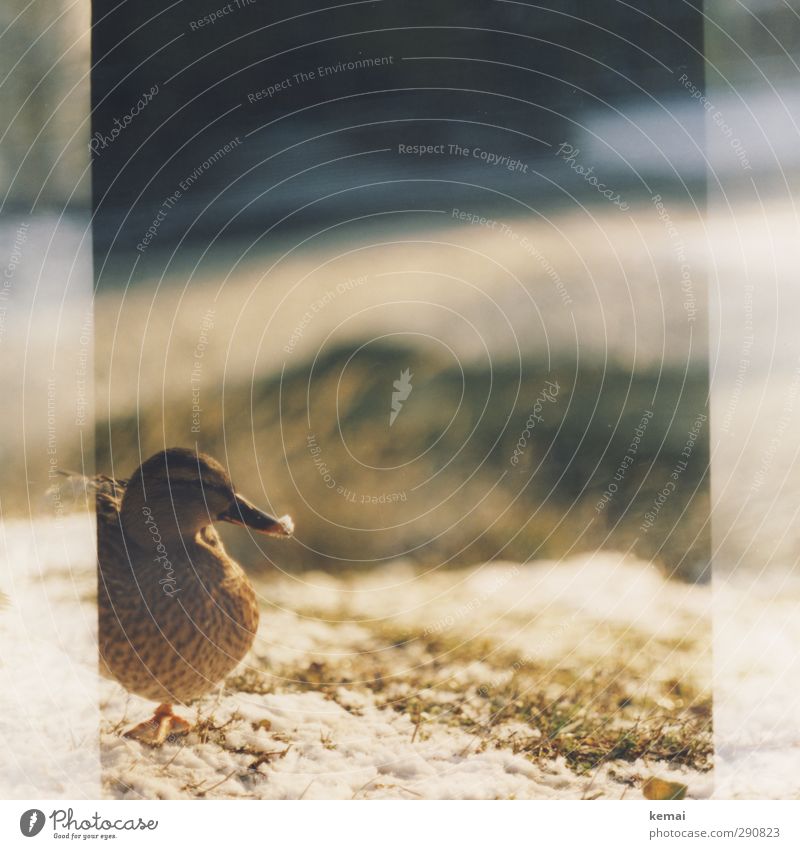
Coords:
pixel 46 325
pixel 291 212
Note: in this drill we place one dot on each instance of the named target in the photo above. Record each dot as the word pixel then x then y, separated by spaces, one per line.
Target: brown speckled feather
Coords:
pixel 175 645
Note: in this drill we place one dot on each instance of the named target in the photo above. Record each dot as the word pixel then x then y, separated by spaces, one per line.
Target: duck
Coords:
pixel 176 614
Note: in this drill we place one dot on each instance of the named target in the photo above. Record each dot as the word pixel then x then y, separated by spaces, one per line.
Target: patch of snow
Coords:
pixel 49 712
pixel 293 741
pixel 756 693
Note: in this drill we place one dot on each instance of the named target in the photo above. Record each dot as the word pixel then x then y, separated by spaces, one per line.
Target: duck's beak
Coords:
pixel 242 512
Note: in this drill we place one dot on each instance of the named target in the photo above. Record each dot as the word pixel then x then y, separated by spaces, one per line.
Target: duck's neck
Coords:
pixel 152 522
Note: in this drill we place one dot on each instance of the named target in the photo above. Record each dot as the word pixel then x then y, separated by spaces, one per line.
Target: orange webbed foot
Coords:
pixel 163 726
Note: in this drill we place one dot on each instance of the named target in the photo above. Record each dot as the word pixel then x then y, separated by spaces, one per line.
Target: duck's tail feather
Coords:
pixel 108 491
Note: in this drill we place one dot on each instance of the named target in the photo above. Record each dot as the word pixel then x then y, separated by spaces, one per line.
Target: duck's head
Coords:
pixel 181 491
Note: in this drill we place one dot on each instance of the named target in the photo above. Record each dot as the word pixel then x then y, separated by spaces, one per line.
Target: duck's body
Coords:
pixel 176 613
pixel 170 630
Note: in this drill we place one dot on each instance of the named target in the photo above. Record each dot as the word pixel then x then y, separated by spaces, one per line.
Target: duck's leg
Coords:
pixel 163 725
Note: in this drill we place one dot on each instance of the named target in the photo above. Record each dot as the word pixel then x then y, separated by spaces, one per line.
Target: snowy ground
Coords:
pixel 756 693
pixel 48 676
pixel 502 681
pixel 554 680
